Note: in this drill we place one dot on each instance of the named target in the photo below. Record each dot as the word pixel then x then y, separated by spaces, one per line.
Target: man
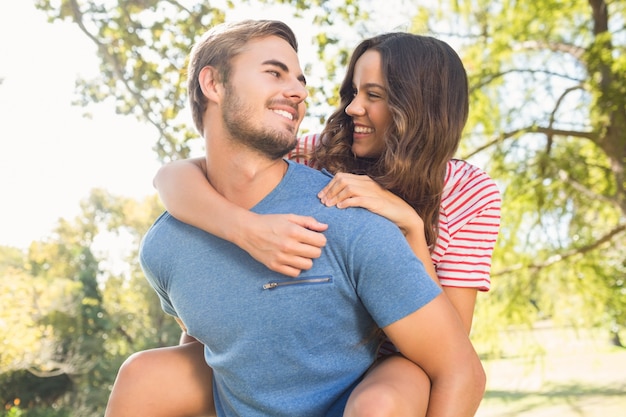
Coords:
pixel 280 346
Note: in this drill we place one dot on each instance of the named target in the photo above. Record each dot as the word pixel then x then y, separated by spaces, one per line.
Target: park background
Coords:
pixel 92 102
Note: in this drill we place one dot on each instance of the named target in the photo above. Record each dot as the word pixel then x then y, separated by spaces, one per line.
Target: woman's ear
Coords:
pixel 210 83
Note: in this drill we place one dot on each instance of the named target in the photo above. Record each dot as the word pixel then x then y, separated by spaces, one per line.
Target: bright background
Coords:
pixel 50 155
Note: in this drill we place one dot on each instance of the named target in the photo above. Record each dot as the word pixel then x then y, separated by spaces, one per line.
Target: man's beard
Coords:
pixel 238 120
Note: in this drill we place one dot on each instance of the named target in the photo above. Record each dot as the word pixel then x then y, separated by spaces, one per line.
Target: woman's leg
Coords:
pixel 394 387
pixel 166 382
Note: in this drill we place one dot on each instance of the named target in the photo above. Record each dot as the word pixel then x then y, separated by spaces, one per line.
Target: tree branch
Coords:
pixel 536 267
pixel 115 65
pixel 532 129
pixel 584 190
pixel 557 106
pixel 494 76
pixel 573 50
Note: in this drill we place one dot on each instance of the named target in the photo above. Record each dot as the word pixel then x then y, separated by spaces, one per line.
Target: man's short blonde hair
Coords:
pixel 218 47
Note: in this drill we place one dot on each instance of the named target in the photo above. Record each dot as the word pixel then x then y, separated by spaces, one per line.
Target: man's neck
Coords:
pixel 241 175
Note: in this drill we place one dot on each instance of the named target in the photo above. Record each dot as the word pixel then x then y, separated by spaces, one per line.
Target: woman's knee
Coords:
pixel 375 400
pixel 395 387
pixel 138 365
pixel 151 382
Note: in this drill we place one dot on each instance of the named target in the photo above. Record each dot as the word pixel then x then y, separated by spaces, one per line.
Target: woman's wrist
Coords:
pixel 237 230
pixel 417 241
pixel 414 227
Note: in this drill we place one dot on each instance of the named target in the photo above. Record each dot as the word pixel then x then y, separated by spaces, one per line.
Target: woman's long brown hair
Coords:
pixel 428 99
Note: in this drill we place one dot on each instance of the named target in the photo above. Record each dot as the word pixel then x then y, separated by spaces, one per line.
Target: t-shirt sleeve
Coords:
pixel 470 221
pixel 149 260
pixel 391 282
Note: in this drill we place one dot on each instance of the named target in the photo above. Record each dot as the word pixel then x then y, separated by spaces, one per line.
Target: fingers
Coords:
pixel 348 190
pixel 291 266
pixel 304 239
pixel 287 244
pixel 336 184
pixel 310 224
pixel 346 186
pixel 293 257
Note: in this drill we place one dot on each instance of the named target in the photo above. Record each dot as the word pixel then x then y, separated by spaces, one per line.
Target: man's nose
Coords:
pixel 296 90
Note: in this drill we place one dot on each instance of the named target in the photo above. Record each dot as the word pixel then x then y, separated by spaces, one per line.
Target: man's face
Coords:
pixel 264 99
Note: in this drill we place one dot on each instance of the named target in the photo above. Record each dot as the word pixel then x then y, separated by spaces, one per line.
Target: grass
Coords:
pixel 571 374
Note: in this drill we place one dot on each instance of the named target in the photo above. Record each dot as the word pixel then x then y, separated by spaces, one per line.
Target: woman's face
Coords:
pixel 369 109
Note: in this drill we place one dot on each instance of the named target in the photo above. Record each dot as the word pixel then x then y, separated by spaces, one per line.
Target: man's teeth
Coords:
pixel 284 114
pixel 362 129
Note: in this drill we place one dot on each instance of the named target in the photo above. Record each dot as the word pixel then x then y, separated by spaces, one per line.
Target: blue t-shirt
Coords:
pixel 280 346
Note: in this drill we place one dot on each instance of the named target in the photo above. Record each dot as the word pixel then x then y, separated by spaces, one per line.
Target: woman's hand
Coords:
pixel 285 243
pixel 350 190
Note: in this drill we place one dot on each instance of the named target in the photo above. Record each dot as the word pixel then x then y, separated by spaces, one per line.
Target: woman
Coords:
pixel 390 144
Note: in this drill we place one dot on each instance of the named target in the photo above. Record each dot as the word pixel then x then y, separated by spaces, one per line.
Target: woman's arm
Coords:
pixel 284 243
pixel 434 339
pixel 463 299
pixel 349 190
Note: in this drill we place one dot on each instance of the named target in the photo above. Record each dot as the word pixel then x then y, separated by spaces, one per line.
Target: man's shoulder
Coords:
pixel 307 170
pixel 155 229
pixel 165 225
pixel 305 175
pixel 309 182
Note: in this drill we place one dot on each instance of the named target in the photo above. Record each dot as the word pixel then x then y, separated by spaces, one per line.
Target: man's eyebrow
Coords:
pixel 283 67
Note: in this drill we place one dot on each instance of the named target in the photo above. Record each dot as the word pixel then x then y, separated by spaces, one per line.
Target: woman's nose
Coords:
pixel 355 108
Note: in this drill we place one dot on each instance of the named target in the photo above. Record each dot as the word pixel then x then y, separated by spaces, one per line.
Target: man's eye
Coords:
pixel 274 73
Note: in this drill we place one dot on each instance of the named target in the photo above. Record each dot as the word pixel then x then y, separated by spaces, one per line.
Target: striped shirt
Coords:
pixel 469 220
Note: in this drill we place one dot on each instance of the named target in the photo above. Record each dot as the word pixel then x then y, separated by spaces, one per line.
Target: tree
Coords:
pixel 76 317
pixel 25 340
pixel 547 119
pixel 549 112
pixel 143 46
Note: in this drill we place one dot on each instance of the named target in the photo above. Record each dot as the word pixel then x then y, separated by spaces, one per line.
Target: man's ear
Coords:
pixel 210 83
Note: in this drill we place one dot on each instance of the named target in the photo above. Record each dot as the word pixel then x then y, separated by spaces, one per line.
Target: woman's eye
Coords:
pixel 274 73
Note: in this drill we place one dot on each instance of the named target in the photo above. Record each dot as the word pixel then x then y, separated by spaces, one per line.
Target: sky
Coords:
pixel 51 156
